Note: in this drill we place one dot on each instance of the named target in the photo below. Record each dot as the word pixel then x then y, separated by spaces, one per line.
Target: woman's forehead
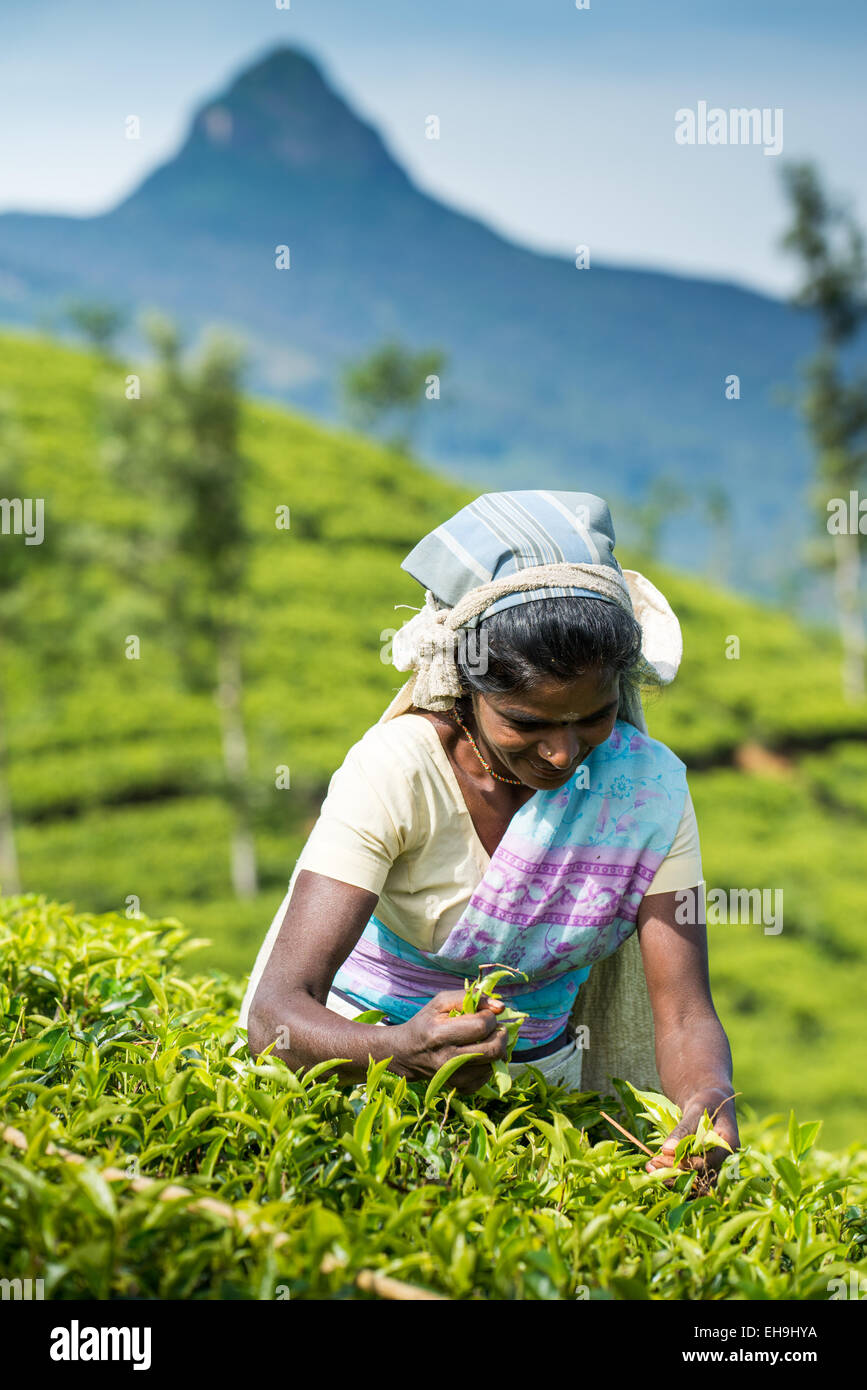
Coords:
pixel 586 695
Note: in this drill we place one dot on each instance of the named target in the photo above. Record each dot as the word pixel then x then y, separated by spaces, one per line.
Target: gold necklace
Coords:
pixel 514 781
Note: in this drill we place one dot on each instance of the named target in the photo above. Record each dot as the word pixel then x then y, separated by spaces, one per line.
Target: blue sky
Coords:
pixel 557 124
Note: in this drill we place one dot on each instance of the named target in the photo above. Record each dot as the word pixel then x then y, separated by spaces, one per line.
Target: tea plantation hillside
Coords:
pixel 114 767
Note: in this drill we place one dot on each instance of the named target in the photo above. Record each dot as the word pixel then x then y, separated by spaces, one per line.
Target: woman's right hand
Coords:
pixel 431 1037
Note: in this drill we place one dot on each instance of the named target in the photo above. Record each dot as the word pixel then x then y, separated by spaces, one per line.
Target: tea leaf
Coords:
pixel 444 1074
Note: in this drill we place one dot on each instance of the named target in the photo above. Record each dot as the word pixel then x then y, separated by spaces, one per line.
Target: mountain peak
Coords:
pixel 282 111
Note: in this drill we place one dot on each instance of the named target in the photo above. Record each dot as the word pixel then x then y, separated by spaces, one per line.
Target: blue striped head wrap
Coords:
pixel 507 548
pixel 504 532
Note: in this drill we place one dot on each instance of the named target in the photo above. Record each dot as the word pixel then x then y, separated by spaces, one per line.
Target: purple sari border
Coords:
pixel 628 912
pixel 644 867
pixel 371 964
pixel 530 854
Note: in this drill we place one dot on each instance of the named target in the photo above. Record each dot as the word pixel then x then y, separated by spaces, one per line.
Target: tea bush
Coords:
pixel 145 1155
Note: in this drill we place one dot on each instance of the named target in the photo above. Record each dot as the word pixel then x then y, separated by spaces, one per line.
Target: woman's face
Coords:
pixel 541 736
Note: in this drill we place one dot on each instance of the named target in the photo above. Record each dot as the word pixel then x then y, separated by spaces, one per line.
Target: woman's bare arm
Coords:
pixel 323 922
pixel 693 1056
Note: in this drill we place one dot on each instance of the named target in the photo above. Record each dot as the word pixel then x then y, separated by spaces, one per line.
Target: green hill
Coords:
pixel 114 767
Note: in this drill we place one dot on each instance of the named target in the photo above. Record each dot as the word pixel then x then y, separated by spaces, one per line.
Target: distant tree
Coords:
pixel 664 497
pixel 718 511
pixel 98 323
pixel 830 246
pixel 179 445
pixel 386 390
pixel 42 635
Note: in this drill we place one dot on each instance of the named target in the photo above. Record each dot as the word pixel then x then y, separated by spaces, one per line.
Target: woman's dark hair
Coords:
pixel 551 637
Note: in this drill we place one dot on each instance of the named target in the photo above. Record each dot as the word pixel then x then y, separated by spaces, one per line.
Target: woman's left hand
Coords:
pixel 715 1099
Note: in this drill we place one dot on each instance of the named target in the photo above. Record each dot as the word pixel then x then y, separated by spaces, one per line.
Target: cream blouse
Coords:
pixel 395 822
